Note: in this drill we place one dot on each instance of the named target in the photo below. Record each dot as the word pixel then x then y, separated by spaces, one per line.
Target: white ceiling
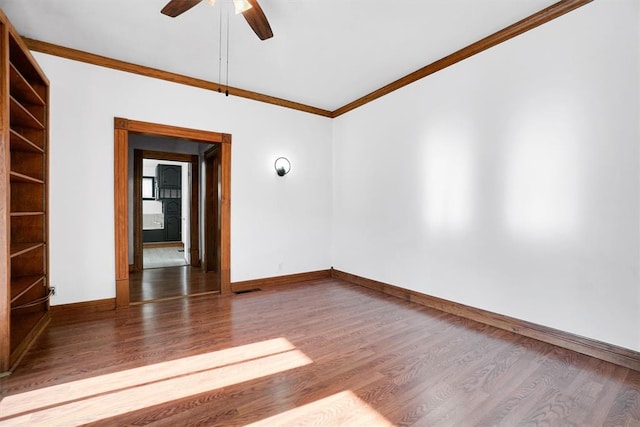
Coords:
pixel 324 53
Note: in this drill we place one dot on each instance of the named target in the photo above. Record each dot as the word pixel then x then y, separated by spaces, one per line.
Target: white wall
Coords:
pixel 509 181
pixel 278 226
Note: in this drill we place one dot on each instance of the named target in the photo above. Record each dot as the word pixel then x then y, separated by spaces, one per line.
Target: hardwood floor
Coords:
pixel 171 282
pixel 319 353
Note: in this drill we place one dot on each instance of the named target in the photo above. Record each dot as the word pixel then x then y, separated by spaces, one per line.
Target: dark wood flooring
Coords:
pixel 170 282
pixel 319 353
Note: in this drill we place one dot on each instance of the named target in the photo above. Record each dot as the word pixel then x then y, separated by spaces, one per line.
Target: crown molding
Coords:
pixel 533 21
pixel 116 64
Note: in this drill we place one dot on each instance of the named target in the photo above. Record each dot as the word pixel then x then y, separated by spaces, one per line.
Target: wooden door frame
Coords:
pixel 211 216
pixel 194 235
pixel 122 128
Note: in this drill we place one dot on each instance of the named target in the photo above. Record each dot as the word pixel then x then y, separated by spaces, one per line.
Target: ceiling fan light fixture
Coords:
pixel 241 6
pixel 250 9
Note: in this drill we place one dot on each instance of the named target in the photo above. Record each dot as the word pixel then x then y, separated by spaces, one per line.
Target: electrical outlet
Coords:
pixel 53 290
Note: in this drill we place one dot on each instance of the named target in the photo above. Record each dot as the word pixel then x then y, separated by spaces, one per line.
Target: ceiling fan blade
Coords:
pixel 258 21
pixel 177 7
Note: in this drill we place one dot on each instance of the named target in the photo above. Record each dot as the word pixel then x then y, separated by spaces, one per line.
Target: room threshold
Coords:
pixel 136 303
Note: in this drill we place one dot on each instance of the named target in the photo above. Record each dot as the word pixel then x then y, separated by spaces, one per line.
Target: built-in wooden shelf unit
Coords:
pixel 24 172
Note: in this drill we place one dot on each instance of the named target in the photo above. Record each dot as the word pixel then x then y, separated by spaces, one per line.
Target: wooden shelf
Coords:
pixel 25 226
pixel 24 62
pixel 22 89
pixel 21 285
pixel 22 326
pixel 20 214
pixel 23 248
pixel 27 197
pixel 20 143
pixel 21 116
pixel 18 177
pixel 27 166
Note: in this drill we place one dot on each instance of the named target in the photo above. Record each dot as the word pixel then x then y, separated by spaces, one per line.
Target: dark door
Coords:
pixel 172 219
pixel 169 176
pixel 169 181
pixel 173 229
pixel 172 206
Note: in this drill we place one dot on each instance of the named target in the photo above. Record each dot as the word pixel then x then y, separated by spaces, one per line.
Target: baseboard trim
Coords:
pixel 270 282
pixel 85 307
pixel 163 245
pixel 598 349
pixel 95 306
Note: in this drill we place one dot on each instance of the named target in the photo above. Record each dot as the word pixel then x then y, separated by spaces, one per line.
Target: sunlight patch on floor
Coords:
pixel 340 409
pixel 110 395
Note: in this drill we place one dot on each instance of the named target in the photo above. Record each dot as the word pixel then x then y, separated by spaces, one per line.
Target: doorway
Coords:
pixel 166 206
pixel 166 203
pixel 122 129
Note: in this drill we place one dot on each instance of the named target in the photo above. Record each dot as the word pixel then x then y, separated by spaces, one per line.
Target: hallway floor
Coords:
pixel 170 282
pixel 171 256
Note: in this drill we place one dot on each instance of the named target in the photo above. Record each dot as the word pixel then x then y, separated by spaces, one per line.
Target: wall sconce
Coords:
pixel 282 165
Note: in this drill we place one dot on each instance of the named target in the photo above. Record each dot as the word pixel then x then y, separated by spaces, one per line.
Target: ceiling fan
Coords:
pixel 250 9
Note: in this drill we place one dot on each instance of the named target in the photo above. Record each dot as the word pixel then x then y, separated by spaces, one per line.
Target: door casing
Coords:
pixel 122 128
pixel 211 259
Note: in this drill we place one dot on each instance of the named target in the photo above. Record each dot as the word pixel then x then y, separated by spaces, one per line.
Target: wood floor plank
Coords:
pixel 159 282
pixel 626 409
pixel 315 353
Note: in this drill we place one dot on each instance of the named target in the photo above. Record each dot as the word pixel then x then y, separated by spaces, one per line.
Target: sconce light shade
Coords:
pixel 282 166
